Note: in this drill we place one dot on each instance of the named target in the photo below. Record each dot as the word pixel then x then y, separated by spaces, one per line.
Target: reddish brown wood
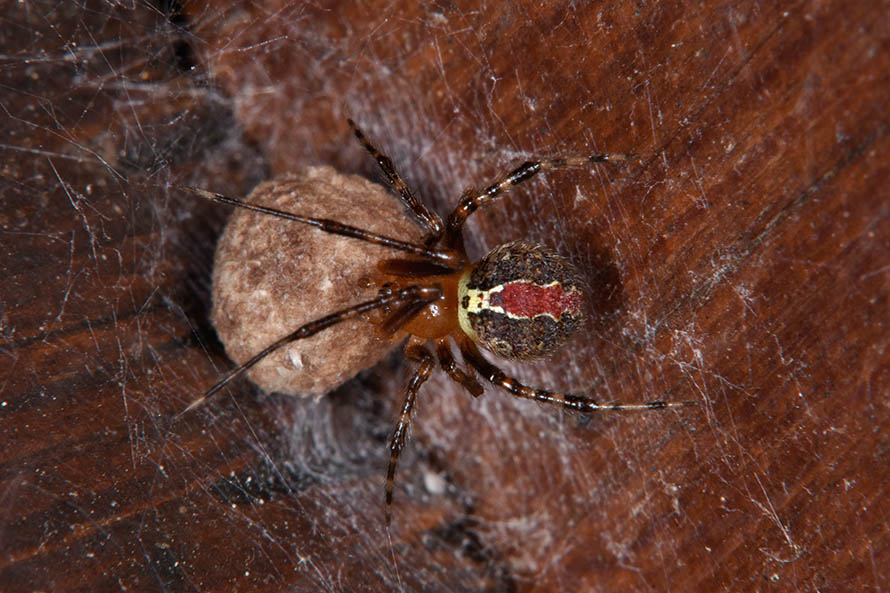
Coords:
pixel 742 262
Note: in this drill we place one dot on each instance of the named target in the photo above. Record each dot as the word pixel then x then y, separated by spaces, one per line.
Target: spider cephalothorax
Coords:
pixel 521 301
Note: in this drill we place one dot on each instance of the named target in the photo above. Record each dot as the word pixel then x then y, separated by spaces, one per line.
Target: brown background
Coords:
pixel 742 263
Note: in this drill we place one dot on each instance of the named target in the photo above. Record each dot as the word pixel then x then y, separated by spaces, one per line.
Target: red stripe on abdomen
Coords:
pixel 525 299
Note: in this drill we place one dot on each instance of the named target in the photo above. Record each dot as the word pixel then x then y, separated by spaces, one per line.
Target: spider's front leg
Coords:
pixel 408 296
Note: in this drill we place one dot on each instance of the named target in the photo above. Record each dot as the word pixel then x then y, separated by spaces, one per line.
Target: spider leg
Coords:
pixel 402 315
pixel 446 359
pixel 416 352
pixel 579 403
pixel 444 257
pixel 423 294
pixel 430 220
pixel 472 200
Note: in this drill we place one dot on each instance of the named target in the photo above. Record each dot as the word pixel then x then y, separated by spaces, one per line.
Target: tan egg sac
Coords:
pixel 273 275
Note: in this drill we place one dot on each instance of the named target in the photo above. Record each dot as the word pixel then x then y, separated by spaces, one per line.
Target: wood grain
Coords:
pixel 742 262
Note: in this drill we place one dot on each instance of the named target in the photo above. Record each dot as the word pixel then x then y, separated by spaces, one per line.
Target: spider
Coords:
pixel 520 302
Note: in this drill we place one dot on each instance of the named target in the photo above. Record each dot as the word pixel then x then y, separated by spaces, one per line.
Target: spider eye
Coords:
pixel 521 301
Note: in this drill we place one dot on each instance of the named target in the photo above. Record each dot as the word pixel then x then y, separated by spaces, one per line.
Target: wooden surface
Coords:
pixel 742 262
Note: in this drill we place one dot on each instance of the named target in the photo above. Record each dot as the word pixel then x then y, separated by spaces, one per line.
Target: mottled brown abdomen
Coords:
pixel 521 301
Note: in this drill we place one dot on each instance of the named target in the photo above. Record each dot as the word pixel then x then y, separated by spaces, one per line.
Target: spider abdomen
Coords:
pixel 521 301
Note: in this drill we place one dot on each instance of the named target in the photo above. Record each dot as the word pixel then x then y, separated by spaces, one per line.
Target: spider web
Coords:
pixel 109 106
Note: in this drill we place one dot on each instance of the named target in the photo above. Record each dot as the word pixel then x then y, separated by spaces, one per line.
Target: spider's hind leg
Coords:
pixel 579 403
pixel 465 378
